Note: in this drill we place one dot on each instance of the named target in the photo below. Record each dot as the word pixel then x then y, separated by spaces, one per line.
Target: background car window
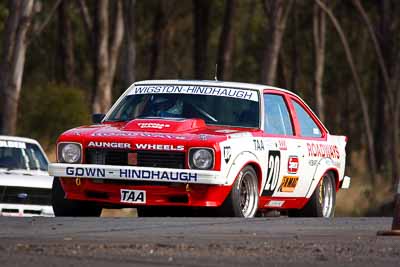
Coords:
pixel 277 119
pixel 28 158
pixel 308 127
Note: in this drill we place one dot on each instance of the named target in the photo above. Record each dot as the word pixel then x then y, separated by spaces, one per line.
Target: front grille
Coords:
pixel 144 158
pixel 25 195
pixel 161 159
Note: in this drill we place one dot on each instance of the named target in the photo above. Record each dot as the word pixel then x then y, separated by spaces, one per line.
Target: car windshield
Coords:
pixel 16 155
pixel 216 106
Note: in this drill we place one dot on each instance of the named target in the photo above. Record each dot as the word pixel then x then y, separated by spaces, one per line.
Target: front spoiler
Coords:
pixel 129 173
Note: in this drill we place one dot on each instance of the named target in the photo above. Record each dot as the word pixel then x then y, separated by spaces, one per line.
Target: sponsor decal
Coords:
pixel 323 151
pixel 160 147
pixel 109 145
pixel 316 131
pixel 133 196
pixel 12 144
pixel 282 145
pixel 240 135
pixel 203 137
pixel 132 174
pixel 273 172
pixel 226 131
pixel 258 145
pixel 85 172
pixel 275 203
pixel 136 134
pixel 22 195
pixel 293 164
pixel 158 175
pixel 227 153
pixel 153 125
pixel 313 162
pixel 288 184
pixel 196 90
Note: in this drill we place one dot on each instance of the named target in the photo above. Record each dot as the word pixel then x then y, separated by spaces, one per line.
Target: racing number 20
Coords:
pixel 274 166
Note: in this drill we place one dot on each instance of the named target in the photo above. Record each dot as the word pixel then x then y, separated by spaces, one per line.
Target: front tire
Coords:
pixel 243 199
pixel 63 207
pixel 322 202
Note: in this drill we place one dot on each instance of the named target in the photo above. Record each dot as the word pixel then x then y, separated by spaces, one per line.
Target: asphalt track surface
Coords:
pixel 196 242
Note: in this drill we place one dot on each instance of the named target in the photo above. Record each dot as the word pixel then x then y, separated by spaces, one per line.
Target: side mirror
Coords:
pixel 97 118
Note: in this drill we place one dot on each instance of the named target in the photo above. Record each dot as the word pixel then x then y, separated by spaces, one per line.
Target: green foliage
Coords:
pixel 47 110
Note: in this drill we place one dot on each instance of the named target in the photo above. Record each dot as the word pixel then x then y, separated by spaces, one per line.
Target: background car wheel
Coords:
pixel 242 201
pixel 322 202
pixel 70 208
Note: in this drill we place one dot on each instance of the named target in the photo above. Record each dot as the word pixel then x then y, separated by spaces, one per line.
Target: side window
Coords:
pixel 277 118
pixel 308 127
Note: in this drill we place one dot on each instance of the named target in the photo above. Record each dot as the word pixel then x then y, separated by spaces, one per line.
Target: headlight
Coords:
pixel 201 158
pixel 69 153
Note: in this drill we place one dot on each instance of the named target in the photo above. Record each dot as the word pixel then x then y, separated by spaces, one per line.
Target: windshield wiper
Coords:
pixel 148 117
pixel 115 120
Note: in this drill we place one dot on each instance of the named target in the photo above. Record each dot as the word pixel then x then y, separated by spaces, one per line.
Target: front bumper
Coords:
pixel 129 173
pixel 108 193
pixel 163 186
pixel 26 210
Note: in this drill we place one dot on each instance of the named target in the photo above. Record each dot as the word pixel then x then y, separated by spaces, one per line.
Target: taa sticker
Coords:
pixel 133 196
pixel 274 169
pixel 288 184
pixel 275 203
pixel 293 164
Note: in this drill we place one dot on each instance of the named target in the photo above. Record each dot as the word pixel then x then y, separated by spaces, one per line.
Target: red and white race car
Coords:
pixel 233 148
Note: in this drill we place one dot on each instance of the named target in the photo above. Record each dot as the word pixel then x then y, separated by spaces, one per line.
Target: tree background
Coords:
pixel 342 57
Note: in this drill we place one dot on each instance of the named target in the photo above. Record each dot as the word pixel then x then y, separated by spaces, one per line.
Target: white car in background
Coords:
pixel 25 184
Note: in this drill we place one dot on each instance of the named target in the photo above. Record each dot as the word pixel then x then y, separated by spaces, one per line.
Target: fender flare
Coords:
pixel 243 159
pixel 324 165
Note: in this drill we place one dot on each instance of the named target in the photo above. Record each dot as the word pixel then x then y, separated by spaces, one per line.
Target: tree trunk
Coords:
pixel 102 93
pixel 107 50
pixel 11 70
pixel 385 53
pixel 294 70
pixel 382 134
pixel 319 30
pixel 396 143
pixel 226 43
pixel 129 72
pixel 201 14
pixel 277 12
pixel 158 32
pixel 66 45
pixel 357 82
pixel 377 49
pixel 395 83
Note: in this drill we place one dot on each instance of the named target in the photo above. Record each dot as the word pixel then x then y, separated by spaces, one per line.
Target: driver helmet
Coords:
pixel 167 105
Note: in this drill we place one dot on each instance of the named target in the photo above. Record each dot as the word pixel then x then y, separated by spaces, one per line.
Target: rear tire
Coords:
pixel 63 207
pixel 243 199
pixel 322 202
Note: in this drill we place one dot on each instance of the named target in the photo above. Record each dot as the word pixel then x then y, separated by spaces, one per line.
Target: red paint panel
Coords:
pixel 156 195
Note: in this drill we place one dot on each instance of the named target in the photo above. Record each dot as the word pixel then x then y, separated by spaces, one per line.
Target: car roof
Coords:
pixel 19 139
pixel 250 86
